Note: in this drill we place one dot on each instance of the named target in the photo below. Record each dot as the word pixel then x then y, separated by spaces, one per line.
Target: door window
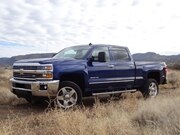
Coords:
pixel 96 51
pixel 119 54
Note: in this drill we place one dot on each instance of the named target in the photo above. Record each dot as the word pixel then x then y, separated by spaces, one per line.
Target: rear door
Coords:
pixel 124 68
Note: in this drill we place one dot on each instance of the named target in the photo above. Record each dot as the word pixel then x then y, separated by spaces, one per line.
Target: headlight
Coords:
pixel 47 68
pixel 48 71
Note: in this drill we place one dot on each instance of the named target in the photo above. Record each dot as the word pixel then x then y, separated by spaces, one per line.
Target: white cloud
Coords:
pixel 50 25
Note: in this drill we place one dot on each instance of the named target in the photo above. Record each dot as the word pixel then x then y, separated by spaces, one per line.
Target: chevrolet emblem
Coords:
pixel 21 71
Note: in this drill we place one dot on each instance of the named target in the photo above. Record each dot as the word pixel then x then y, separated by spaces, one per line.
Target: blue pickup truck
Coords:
pixel 87 70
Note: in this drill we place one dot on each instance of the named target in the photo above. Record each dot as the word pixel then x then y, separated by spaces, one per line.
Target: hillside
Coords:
pixel 149 56
pixel 10 61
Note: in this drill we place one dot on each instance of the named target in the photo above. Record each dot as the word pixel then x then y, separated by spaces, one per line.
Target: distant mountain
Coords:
pixel 10 61
pixel 149 56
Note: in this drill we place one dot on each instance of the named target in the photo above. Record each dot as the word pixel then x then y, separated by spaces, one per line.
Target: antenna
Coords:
pixel 90 44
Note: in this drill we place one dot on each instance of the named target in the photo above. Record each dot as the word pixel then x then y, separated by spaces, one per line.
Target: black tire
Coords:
pixel 29 100
pixel 69 95
pixel 150 89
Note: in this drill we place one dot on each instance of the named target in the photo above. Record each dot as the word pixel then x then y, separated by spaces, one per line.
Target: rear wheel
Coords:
pixel 150 88
pixel 69 95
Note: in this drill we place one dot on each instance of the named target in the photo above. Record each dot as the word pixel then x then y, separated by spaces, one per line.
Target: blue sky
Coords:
pixel 32 26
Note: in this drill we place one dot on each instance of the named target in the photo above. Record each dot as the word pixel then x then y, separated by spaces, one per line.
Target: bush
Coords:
pixel 174 79
pixel 175 66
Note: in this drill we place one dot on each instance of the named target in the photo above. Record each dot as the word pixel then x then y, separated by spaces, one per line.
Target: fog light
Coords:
pixel 43 86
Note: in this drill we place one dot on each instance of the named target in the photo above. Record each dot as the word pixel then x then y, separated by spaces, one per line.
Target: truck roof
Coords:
pixel 107 45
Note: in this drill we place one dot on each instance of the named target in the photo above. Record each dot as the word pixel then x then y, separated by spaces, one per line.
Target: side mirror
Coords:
pixel 102 57
pixel 89 61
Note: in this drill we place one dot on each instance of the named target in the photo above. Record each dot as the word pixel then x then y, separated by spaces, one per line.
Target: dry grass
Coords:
pixel 159 116
pixel 109 118
pixel 129 116
pixel 5 75
pixel 174 78
pixel 6 96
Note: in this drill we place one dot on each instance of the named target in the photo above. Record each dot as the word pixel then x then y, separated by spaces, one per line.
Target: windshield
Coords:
pixel 76 52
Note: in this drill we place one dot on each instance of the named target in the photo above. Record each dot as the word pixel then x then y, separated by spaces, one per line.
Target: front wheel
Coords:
pixel 69 95
pixel 150 88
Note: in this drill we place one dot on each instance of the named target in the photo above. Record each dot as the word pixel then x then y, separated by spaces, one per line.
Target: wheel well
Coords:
pixel 154 75
pixel 76 78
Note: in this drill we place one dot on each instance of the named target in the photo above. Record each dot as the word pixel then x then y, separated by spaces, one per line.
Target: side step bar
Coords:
pixel 113 92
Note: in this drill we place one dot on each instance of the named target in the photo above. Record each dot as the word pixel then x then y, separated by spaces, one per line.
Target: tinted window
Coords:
pixel 76 52
pixel 96 51
pixel 120 54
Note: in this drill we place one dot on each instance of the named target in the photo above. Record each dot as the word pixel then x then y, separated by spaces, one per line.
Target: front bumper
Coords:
pixel 36 88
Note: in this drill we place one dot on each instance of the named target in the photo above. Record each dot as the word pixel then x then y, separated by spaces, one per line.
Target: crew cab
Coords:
pixel 86 70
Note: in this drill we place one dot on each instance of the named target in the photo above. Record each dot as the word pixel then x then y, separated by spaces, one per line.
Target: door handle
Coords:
pixel 111 66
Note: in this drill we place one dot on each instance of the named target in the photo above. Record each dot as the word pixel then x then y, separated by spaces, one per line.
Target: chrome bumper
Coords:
pixel 35 87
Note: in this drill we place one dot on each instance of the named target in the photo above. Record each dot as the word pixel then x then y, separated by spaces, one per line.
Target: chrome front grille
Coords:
pixel 31 71
pixel 27 75
pixel 26 67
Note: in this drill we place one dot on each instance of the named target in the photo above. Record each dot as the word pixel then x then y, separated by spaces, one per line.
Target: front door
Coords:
pixel 100 73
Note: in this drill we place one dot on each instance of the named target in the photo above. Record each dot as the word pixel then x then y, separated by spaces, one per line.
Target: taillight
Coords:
pixel 166 69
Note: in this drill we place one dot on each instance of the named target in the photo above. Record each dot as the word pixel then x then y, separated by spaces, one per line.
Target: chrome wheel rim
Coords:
pixel 153 89
pixel 66 97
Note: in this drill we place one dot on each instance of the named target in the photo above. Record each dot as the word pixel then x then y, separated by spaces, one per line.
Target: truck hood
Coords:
pixel 51 61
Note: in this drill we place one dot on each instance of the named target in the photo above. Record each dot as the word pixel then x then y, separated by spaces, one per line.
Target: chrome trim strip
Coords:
pixel 122 78
pixel 25 79
pixel 111 81
pixel 116 80
pixel 139 77
pixel 33 79
pixel 33 82
pixel 113 92
pixel 119 78
pixel 27 64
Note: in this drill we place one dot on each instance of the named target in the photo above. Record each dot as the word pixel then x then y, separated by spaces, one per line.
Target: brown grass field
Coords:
pixel 130 115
